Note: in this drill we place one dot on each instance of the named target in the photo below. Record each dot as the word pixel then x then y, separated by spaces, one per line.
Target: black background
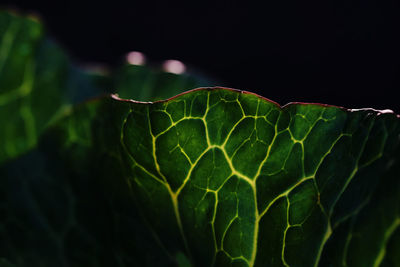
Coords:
pixel 336 52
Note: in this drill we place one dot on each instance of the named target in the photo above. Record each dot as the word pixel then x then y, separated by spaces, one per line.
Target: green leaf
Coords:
pixel 37 83
pixel 19 39
pixel 219 177
pixel 213 177
pixel 249 183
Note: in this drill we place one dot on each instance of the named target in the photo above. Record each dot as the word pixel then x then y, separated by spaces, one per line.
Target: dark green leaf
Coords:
pixel 37 83
pixel 217 177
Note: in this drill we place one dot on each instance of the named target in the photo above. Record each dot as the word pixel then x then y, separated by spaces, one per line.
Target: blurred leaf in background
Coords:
pixel 39 83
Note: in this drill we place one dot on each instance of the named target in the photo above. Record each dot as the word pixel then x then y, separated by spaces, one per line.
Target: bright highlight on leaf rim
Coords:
pixel 384 111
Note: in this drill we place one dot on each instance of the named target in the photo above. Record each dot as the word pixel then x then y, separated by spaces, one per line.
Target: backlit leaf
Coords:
pixel 227 178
